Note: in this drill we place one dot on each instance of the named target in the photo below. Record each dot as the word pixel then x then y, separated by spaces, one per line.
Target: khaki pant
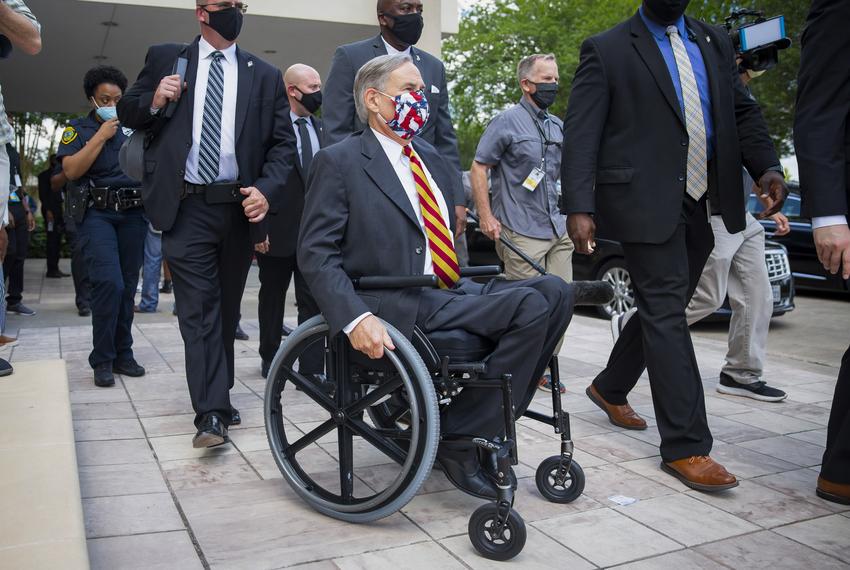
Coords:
pixel 555 255
pixel 736 267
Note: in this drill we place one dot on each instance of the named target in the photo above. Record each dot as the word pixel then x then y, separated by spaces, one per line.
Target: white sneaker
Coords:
pixel 618 322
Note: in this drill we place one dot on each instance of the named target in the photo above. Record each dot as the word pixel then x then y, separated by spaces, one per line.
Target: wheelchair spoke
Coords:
pixel 373 396
pixel 311 437
pixel 310 389
pixel 384 445
pixel 346 463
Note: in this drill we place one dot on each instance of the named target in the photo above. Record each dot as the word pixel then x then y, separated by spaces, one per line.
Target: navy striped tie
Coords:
pixel 210 149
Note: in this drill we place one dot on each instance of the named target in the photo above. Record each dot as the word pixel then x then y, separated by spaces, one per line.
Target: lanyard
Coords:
pixel 544 137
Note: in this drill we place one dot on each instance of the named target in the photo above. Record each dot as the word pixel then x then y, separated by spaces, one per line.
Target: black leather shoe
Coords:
pixel 84 312
pixel 128 368
pixel 264 368
pixel 240 334
pixel 103 377
pixel 235 418
pixel 460 463
pixel 166 288
pixel 57 274
pixel 211 433
pixel 5 368
pixel 285 331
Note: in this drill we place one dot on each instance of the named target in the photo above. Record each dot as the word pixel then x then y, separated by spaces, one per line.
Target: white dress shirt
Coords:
pixel 824 221
pixel 401 165
pixel 311 130
pixel 392 51
pixel 228 170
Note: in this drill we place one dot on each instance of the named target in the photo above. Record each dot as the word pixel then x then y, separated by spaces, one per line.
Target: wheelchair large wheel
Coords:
pixel 317 457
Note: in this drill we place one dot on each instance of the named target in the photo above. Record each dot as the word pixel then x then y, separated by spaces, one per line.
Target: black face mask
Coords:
pixel 407 28
pixel 545 94
pixel 311 101
pixel 228 23
pixel 666 11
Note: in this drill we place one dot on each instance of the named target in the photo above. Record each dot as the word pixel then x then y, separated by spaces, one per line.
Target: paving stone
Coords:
pixel 154 408
pixel 421 556
pixel 205 471
pixel 800 484
pixel 775 422
pixel 173 447
pixel 689 559
pixel 608 480
pixel 113 452
pixel 686 519
pixel 761 505
pixel 113 480
pixel 130 514
pixel 107 411
pixel 730 431
pixel 650 467
pixel 745 463
pixel 101 395
pixel 830 535
pixel 103 430
pixel 540 553
pixel 257 525
pixel 614 447
pixel 250 439
pixel 180 424
pixel 605 537
pixel 787 449
pixel 815 436
pixel 766 550
pixel 808 412
pixel 443 514
pixel 159 551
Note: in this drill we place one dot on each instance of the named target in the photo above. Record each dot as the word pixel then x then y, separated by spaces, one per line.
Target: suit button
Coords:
pixel 681 178
pixel 684 142
pixel 188 145
pixel 181 172
pixel 418 251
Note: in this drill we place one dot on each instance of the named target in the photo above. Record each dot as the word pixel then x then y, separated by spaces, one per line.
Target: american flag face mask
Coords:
pixel 411 113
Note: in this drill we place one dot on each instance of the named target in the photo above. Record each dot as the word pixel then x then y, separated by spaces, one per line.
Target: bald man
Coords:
pixel 276 257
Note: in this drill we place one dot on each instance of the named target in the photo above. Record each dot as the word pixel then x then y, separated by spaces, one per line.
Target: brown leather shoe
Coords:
pixel 835 492
pixel 701 472
pixel 7 341
pixel 622 416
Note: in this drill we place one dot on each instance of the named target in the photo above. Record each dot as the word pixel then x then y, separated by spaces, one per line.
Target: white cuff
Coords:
pixel 824 221
pixel 351 326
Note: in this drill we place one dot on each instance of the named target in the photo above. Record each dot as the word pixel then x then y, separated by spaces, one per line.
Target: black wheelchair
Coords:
pixel 374 425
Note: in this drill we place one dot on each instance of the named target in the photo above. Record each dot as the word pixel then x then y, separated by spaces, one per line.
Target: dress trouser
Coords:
pixel 524 318
pixel 54 241
pixel 4 201
pixel 275 275
pixel 79 271
pixel 664 277
pixel 736 268
pixel 16 254
pixel 114 242
pixel 835 467
pixel 209 252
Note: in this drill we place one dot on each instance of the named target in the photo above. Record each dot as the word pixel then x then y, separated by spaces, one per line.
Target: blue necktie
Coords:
pixel 210 150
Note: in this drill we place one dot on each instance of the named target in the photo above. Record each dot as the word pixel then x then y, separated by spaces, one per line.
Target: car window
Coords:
pixel 792 206
pixel 754 206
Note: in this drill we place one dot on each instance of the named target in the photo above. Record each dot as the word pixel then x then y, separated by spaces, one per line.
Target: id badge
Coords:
pixel 532 181
pixel 18 181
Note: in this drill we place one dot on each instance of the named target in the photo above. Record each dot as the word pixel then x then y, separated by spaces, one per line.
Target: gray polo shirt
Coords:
pixel 513 146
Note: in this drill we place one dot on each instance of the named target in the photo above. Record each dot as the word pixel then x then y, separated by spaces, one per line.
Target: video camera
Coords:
pixel 758 41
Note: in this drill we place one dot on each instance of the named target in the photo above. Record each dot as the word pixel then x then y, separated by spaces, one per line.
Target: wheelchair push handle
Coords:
pixel 394 281
pixel 481 271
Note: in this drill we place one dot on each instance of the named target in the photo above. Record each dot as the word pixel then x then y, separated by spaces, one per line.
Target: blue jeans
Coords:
pixel 2 298
pixel 113 250
pixel 151 272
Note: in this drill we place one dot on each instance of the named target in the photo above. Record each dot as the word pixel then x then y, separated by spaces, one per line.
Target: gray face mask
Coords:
pixel 545 94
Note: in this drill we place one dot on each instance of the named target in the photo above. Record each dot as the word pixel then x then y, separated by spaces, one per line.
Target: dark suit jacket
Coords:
pixel 822 121
pixel 265 142
pixel 358 221
pixel 283 223
pixel 50 201
pixel 626 145
pixel 340 116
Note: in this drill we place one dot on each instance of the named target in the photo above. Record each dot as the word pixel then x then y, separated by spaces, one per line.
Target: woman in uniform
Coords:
pixel 110 223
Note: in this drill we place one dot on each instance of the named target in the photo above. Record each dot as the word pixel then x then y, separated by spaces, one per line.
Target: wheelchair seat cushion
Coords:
pixel 461 346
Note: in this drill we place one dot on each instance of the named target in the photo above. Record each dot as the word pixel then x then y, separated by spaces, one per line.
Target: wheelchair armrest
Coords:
pixel 394 281
pixel 481 271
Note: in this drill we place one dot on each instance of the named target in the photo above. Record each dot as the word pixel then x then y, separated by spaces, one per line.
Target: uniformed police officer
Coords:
pixel 107 206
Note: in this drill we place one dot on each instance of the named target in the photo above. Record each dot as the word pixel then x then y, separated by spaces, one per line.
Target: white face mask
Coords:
pixel 754 74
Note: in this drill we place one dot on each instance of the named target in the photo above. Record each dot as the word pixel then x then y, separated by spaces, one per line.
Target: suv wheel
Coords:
pixel 615 273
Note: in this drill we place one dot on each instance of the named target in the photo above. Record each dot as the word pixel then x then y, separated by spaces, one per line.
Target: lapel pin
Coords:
pixel 707 39
pixel 251 63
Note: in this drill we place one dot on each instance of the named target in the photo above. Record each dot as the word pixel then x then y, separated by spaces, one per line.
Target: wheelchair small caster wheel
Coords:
pixel 551 488
pixel 494 543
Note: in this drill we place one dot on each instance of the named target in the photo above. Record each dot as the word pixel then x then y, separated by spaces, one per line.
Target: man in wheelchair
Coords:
pixel 379 203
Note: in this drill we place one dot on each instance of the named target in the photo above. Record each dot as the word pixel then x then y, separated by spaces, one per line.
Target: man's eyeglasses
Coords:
pixel 242 7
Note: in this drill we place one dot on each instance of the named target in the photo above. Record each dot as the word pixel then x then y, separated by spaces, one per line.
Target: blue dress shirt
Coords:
pixel 660 33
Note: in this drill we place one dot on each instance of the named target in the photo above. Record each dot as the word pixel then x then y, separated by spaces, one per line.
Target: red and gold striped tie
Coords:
pixel 443 256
